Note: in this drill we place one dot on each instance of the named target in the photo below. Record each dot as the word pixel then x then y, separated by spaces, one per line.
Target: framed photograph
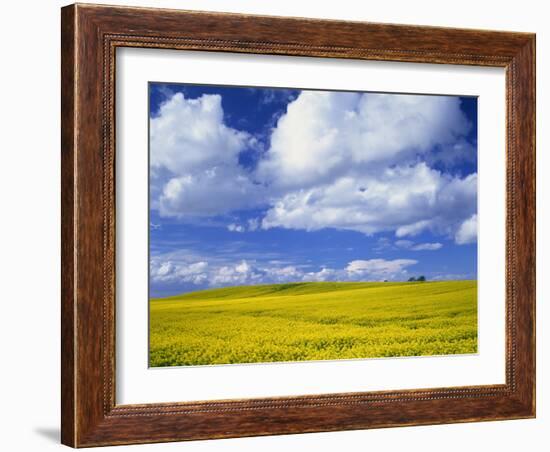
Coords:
pixel 280 225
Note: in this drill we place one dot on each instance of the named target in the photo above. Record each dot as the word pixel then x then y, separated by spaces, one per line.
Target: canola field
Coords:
pixel 313 321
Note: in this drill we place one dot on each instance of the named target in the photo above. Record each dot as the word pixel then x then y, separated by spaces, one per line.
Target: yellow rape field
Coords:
pixel 313 321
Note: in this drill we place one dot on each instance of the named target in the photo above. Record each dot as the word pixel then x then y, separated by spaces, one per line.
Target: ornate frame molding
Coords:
pixel 90 37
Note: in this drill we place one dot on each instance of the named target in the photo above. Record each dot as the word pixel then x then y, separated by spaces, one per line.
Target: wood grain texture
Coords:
pixel 90 36
pixel 67 226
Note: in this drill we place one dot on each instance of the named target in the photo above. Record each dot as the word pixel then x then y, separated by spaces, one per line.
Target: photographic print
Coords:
pixel 265 216
pixel 297 225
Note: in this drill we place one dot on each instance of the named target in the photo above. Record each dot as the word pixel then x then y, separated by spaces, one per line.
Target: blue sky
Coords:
pixel 259 185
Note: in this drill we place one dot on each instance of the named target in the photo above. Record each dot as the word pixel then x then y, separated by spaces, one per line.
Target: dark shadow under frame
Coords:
pixel 90 36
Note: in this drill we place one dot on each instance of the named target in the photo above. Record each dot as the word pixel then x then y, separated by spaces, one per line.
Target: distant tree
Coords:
pixel 385 280
pixel 421 278
pixel 412 279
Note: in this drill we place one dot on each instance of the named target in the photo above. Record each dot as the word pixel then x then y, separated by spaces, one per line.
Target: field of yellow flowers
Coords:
pixel 313 321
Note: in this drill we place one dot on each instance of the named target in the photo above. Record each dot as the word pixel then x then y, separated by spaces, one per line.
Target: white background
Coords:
pixel 137 384
pixel 30 271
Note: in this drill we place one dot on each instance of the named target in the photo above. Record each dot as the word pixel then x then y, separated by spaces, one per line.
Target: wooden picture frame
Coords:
pixel 90 36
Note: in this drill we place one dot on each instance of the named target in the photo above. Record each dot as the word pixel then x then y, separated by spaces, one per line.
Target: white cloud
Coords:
pixel 407 200
pixel 237 274
pixel 427 246
pixel 194 160
pixel 253 224
pixel 467 233
pixel 288 273
pixel 410 245
pixel 350 161
pixel 413 228
pixel 189 135
pixel 213 192
pixel 380 268
pixel 235 227
pixel 220 274
pixel 336 160
pixel 404 244
pixel 324 134
pixel 325 274
pixel 168 271
pixel 453 276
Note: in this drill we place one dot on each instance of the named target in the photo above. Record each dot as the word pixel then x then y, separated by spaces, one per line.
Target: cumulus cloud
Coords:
pixel 168 271
pixel 358 162
pixel 287 273
pixel 407 200
pixel 467 233
pixel 324 134
pixel 232 275
pixel 338 160
pixel 189 135
pixel 195 167
pixel 245 272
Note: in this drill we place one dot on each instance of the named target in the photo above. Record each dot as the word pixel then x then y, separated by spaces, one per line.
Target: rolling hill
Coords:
pixel 313 321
